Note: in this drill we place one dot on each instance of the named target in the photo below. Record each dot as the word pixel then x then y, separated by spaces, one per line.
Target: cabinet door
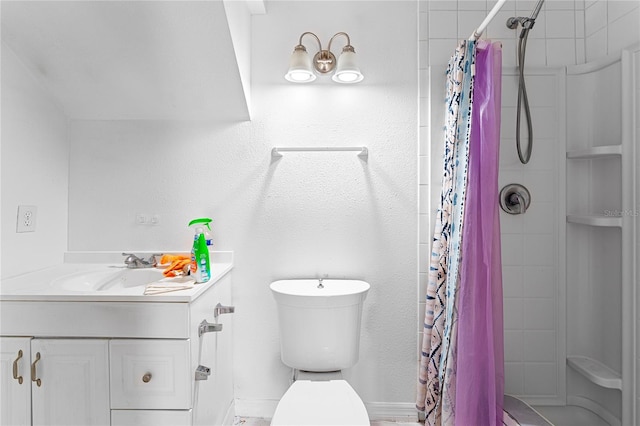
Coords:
pixel 73 387
pixel 15 389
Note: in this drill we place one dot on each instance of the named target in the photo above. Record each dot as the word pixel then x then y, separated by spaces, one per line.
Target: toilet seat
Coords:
pixel 332 402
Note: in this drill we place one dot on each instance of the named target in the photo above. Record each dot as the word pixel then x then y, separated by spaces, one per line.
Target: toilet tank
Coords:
pixel 319 322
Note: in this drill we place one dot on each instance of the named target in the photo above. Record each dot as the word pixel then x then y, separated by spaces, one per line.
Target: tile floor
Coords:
pixel 252 421
pixel 559 416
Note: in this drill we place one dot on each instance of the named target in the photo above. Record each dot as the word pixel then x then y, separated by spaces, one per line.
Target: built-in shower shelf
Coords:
pixel 596 372
pixel 595 152
pixel 595 220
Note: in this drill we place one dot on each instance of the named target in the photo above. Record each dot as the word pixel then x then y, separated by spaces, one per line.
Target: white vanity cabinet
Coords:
pixel 15 381
pixel 150 374
pixel 112 360
pixel 55 381
pixel 70 382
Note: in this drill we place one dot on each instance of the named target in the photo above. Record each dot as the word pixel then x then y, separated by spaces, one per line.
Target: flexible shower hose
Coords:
pixel 522 98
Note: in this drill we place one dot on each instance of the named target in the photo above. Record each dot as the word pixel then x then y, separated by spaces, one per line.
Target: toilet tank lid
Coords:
pixel 310 287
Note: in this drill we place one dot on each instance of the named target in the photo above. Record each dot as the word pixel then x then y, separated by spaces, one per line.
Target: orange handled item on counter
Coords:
pixel 178 264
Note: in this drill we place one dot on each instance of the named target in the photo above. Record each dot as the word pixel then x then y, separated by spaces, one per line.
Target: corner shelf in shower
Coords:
pixel 596 251
pixel 596 372
pixel 595 152
pixel 595 220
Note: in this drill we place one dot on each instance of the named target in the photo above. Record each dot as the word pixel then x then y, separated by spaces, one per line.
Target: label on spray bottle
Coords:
pixel 200 258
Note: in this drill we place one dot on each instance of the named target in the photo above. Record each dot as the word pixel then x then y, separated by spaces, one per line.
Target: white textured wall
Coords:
pixel 35 164
pixel 301 216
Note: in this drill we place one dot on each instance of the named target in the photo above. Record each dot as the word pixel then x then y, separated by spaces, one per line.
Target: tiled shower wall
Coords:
pixel 610 26
pixel 533 304
pixel 565 33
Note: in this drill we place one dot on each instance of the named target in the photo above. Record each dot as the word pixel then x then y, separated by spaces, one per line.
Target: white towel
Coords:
pixel 167 285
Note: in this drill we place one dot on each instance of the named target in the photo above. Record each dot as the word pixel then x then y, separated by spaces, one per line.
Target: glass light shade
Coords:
pixel 300 68
pixel 347 71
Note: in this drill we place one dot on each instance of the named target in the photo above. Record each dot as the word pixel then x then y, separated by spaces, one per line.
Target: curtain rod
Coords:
pixel 478 31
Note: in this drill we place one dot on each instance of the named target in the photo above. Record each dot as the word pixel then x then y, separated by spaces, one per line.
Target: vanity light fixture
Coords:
pixel 301 66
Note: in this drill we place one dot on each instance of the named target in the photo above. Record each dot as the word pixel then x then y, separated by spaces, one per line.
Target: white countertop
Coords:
pixel 37 285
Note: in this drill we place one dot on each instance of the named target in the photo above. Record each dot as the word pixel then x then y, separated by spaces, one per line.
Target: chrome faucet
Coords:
pixel 134 262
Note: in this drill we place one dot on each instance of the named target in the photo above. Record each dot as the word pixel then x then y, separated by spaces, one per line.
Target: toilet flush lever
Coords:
pixel 220 309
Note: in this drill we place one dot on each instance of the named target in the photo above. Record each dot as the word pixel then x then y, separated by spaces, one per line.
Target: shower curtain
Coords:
pixel 461 379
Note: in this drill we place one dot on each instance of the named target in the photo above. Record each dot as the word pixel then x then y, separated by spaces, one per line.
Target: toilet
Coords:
pixel 319 324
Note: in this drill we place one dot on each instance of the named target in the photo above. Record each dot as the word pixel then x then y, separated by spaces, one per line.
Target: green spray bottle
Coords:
pixel 200 262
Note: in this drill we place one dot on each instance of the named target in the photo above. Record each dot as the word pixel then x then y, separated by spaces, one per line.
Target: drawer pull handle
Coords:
pixel 15 368
pixel 34 375
pixel 146 378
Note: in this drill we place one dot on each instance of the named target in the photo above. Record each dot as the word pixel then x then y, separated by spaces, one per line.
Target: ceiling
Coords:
pixel 111 60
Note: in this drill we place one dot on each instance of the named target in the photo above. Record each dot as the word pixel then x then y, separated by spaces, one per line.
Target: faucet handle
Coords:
pixel 131 258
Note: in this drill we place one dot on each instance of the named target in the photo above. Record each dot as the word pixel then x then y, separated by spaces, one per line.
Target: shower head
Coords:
pixel 526 23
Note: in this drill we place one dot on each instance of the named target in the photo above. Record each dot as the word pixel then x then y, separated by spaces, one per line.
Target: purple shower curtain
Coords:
pixel 480 375
pixel 461 378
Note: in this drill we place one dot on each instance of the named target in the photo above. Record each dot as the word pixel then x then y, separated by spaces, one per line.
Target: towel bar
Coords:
pixel 364 152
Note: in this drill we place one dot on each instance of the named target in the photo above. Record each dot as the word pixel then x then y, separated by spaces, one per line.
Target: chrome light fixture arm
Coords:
pixel 314 36
pixel 324 62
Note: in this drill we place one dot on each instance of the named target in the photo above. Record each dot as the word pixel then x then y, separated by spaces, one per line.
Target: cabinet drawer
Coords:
pixel 150 417
pixel 150 374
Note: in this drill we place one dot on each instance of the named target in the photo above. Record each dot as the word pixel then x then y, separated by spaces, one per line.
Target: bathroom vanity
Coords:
pixel 75 355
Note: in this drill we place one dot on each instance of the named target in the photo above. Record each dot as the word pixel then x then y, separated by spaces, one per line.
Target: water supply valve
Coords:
pixel 202 372
pixel 220 309
pixel 208 327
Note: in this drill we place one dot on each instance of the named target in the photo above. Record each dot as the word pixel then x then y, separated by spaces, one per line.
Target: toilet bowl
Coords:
pixel 311 402
pixel 319 323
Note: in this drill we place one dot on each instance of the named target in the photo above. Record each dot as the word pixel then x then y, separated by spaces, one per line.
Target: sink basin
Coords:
pixel 105 279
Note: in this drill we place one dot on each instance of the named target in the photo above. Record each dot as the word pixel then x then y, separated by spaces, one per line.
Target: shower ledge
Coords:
pixel 595 220
pixel 595 152
pixel 595 371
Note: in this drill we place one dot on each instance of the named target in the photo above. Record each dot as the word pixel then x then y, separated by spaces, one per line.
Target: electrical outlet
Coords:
pixel 141 218
pixel 155 220
pixel 26 218
pixel 146 219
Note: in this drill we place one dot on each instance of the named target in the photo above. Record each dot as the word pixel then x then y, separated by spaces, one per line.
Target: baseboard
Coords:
pixel 264 408
pixel 392 410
